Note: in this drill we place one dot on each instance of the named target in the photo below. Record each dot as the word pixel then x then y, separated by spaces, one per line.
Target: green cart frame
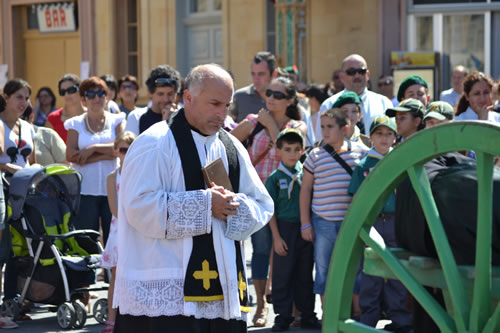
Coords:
pixel 472 293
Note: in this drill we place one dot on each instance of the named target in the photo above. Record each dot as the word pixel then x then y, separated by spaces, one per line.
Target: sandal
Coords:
pixel 6 322
pixel 260 318
pixel 110 326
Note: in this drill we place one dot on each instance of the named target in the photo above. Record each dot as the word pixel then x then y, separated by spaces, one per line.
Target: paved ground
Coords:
pixel 44 321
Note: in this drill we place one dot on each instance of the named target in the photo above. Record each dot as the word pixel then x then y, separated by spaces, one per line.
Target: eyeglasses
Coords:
pixel 128 86
pixel 164 81
pixel 353 71
pixel 43 95
pixel 276 94
pixel 91 94
pixel 123 150
pixel 385 83
pixel 71 90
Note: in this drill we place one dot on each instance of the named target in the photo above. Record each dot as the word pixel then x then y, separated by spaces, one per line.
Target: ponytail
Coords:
pixel 293 111
pixel 3 103
pixel 462 105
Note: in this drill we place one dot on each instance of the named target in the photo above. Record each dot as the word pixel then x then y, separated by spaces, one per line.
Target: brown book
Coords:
pixel 216 172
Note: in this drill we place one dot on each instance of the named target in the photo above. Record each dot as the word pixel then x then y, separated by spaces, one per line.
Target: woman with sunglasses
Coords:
pixel 68 85
pixel 281 112
pixel 90 148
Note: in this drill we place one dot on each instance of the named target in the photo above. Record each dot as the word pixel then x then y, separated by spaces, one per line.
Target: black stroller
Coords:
pixel 55 264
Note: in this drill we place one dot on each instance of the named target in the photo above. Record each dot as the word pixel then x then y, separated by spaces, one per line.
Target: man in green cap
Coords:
pixel 349 103
pixel 409 114
pixel 355 75
pixel 414 86
pixel 437 113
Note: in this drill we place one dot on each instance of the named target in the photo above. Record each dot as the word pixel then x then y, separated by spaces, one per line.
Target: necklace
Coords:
pixel 90 128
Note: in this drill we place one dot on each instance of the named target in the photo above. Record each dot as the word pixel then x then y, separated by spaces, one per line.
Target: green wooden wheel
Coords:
pixel 474 312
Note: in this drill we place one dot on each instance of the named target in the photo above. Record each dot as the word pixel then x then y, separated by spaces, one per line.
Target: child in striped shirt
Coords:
pixel 324 199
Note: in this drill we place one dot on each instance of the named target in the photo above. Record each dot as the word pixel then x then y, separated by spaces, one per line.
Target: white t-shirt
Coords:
pixel 18 149
pixel 469 114
pixel 94 174
pixel 133 120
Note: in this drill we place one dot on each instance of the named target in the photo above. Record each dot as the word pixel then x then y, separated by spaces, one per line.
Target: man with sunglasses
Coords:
pixel 163 83
pixel 250 99
pixel 386 88
pixel 355 75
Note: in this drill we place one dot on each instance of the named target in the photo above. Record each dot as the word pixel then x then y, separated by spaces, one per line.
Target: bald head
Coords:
pixel 207 97
pixel 202 75
pixel 353 58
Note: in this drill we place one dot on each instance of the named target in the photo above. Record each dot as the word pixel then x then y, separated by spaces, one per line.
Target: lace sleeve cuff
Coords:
pixel 189 214
pixel 241 225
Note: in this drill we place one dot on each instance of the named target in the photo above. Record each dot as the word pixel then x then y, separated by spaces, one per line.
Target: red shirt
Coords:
pixel 54 118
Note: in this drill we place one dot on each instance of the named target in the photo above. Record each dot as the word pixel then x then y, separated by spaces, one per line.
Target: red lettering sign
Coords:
pixel 55 18
pixel 62 17
pixel 48 18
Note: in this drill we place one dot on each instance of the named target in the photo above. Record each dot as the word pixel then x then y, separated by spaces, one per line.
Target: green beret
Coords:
pixel 382 121
pixel 410 104
pixel 349 97
pixel 409 81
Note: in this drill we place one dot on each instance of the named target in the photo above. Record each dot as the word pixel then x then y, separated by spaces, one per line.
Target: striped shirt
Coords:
pixel 330 198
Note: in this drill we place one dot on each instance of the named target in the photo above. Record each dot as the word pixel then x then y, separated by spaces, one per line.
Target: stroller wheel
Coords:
pixel 100 310
pixel 66 315
pixel 10 308
pixel 81 314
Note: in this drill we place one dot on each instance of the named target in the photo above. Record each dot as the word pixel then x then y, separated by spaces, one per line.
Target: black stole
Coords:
pixel 202 282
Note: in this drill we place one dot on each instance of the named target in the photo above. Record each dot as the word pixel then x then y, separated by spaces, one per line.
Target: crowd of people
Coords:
pixel 296 155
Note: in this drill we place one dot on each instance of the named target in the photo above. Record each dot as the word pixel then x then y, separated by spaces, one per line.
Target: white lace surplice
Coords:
pixel 158 218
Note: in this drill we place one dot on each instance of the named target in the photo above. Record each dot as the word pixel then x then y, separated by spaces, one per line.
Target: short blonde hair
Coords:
pixel 127 137
pixel 341 117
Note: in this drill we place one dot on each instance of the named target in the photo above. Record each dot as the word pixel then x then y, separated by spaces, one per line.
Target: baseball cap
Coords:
pixel 349 97
pixel 382 121
pixel 439 110
pixel 410 104
pixel 291 132
pixel 409 81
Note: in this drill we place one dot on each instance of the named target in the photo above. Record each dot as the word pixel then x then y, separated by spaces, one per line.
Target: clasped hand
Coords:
pixel 222 202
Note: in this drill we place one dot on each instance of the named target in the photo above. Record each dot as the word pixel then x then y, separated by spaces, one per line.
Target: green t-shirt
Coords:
pixel 285 194
pixel 361 170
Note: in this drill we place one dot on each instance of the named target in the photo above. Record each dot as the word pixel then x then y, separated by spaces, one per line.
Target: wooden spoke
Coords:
pixel 480 310
pixel 494 323
pixel 440 316
pixel 422 186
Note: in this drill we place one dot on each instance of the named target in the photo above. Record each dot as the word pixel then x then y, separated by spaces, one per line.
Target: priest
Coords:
pixel 181 266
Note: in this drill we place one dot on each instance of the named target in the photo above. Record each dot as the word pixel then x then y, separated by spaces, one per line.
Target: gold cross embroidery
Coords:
pixel 205 274
pixel 242 286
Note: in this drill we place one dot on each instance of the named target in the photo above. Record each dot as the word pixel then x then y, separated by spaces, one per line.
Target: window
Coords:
pixel 127 41
pixel 423 29
pixel 204 6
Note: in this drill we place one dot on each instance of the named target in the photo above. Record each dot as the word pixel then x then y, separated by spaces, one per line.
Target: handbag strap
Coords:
pixel 339 158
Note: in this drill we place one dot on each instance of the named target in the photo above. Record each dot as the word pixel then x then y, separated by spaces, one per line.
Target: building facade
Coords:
pixel 132 36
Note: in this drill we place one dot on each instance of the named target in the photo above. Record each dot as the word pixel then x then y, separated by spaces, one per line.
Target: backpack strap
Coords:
pixel 339 158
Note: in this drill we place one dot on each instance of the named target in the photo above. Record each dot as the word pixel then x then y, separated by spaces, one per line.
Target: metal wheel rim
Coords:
pixel 80 314
pixel 100 310
pixel 66 315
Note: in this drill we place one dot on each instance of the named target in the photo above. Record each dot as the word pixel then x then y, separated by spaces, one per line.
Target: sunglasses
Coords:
pixel 71 90
pixel 123 150
pixel 163 81
pixel 276 94
pixel 353 71
pixel 128 86
pixel 385 83
pixel 91 94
